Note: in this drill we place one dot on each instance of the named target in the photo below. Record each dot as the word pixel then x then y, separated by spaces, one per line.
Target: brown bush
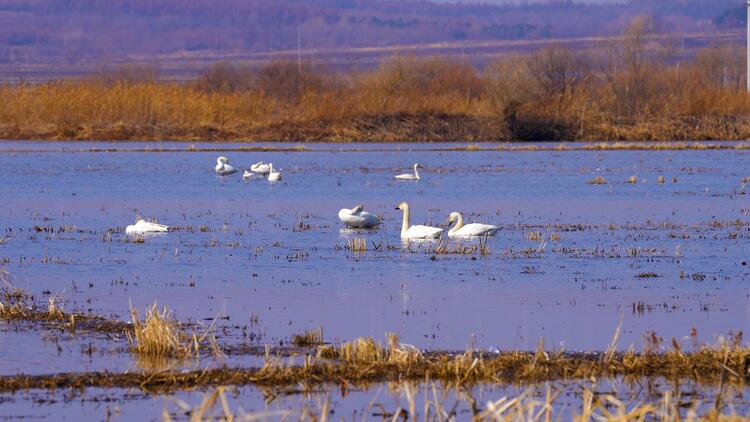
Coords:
pixel 289 81
pixel 626 91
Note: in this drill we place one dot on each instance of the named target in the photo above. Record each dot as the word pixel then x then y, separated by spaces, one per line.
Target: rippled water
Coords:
pixel 662 257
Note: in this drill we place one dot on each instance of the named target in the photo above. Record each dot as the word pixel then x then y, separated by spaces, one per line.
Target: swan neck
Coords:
pixel 456 227
pixel 405 222
pixel 416 172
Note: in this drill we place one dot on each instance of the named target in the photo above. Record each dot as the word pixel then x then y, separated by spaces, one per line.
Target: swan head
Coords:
pixel 222 160
pixel 358 208
pixel 418 166
pixel 454 217
pixel 402 206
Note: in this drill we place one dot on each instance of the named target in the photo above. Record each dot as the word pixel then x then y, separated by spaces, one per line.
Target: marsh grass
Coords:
pixel 447 246
pixel 621 94
pixel 309 338
pixel 357 244
pixel 159 334
pixel 535 236
pixel 364 361
pixel 429 402
pixel 598 180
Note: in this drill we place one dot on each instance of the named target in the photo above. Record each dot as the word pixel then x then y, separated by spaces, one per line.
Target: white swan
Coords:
pixel 222 166
pixel 358 218
pixel 273 175
pixel 469 230
pixel 247 174
pixel 416 232
pixel 260 168
pixel 409 176
pixel 143 226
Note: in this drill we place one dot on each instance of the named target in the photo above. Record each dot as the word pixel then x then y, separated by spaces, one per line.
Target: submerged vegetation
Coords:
pixel 629 88
pixel 430 402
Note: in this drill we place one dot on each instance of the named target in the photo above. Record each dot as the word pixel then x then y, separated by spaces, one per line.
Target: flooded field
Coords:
pixel 654 242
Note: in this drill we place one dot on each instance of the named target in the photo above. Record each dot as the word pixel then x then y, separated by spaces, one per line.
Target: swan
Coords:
pixel 416 232
pixel 260 168
pixel 247 174
pixel 469 230
pixel 223 167
pixel 409 176
pixel 358 218
pixel 273 175
pixel 143 226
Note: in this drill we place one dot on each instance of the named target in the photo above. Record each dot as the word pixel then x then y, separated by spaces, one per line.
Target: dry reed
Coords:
pixel 160 335
pixel 553 94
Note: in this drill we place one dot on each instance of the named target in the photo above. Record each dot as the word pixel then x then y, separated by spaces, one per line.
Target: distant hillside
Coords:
pixel 80 31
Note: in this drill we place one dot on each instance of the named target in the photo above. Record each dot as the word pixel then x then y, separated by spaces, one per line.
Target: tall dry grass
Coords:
pixel 630 89
pixel 159 334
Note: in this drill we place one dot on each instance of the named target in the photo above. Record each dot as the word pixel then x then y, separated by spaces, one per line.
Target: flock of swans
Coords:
pixel 260 168
pixel 356 217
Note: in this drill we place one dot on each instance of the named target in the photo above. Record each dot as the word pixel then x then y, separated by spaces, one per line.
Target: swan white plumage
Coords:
pixel 260 168
pixel 222 166
pixel 358 218
pixel 247 174
pixel 416 232
pixel 409 176
pixel 143 226
pixel 273 175
pixel 469 230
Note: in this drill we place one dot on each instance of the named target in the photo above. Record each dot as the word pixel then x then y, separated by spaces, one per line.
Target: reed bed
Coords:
pixel 625 93
pixel 365 361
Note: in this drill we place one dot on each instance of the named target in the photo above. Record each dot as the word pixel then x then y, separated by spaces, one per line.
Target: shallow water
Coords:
pixel 276 252
pixel 377 402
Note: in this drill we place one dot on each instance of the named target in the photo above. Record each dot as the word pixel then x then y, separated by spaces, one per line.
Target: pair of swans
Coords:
pixel 144 227
pixel 263 169
pixel 410 232
pixel 410 176
pixel 259 168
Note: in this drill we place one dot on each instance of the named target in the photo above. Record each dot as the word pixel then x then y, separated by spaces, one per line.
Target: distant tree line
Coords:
pixel 73 31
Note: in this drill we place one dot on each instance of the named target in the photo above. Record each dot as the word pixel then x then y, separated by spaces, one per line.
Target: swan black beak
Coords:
pixel 396 208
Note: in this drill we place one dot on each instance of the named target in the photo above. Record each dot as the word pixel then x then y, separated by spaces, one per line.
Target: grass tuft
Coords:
pixel 161 335
pixel 309 338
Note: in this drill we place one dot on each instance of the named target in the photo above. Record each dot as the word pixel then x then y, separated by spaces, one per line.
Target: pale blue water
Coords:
pixel 253 260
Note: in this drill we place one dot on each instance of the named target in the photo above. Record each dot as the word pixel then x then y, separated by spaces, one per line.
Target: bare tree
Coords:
pixel 557 70
pixel 720 67
pixel 225 77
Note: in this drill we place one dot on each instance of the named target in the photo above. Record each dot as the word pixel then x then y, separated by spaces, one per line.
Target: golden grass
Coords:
pixel 364 361
pixel 404 99
pixel 309 338
pixel 160 335
pixel 534 236
pixel 358 244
